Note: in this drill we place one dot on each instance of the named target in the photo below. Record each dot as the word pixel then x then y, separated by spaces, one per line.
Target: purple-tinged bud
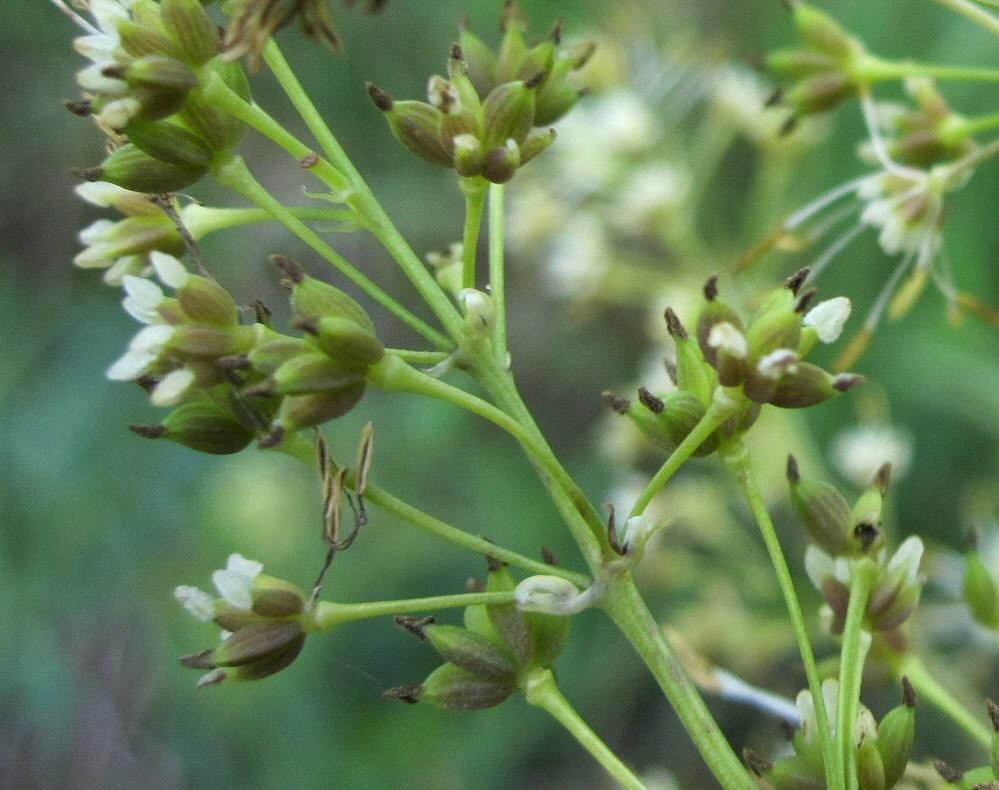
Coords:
pixel 501 163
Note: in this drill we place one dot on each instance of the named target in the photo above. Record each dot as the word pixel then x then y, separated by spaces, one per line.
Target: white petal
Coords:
pixel 108 13
pixel 908 556
pixel 98 48
pixel 92 79
pixel 828 318
pixel 239 564
pixel 234 588
pixel 151 339
pixel 170 270
pixel 818 565
pixel 131 366
pixel 119 112
pixel 97 231
pixel 725 336
pixel 98 256
pixel 172 388
pixel 98 193
pixel 144 292
pixel 197 602
pixel 546 594
pixel 130 264
pixel 777 363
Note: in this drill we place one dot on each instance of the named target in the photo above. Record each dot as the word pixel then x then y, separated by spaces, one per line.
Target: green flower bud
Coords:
pixel 796 773
pixel 205 341
pixel 468 155
pixel 819 93
pixel 513 49
pixel 713 311
pixel 895 735
pixel 536 143
pixel 476 620
pixel 464 87
pixel 979 590
pixel 509 622
pixel 539 58
pixel 415 124
pixel 676 413
pixel 132 168
pixel 501 163
pixel 775 329
pixel 481 62
pixel 692 374
pixel 275 598
pixel 169 143
pixel 271 354
pixel 157 72
pixel 798 63
pixel 549 633
pixel 309 373
pixel 453 688
pixel 345 341
pixel 201 426
pixel 554 100
pixel 142 40
pixel 470 651
pixel 248 644
pixel 207 302
pixel 809 386
pixel 820 31
pixel 509 113
pixel 305 411
pixel 823 509
pixel 315 299
pixel 189 25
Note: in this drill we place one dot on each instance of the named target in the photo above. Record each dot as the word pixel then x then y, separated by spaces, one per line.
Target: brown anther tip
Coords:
pixel 775 98
pixel 233 362
pixel 88 173
pixel 908 693
pixel 755 763
pixel 115 71
pixel 796 280
pixel 788 126
pixel 494 564
pixel 474 585
pixel 650 401
pixel 616 402
pixel 845 381
pixel 414 625
pixel 380 98
pixel 272 440
pixel 148 431
pixel 674 325
pixel 548 556
pixel 261 312
pixel 947 773
pixel 793 475
pixel 555 34
pixel 804 300
pixel 535 81
pixel 711 288
pixel 295 272
pixel 309 161
pixel 82 108
pixel 408 694
pixel 882 477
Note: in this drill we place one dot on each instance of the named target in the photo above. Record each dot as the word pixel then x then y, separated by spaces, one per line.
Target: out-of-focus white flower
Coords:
pixel 859 452
pixel 578 260
pixel 650 197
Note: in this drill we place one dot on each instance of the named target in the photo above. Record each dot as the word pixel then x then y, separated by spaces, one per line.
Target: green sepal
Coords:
pixel 305 411
pixel 204 427
pixel 188 24
pixel 453 688
pixel 313 372
pixel 470 651
pixel 979 590
pixel 169 142
pixel 132 168
pixel 507 620
pixel 346 341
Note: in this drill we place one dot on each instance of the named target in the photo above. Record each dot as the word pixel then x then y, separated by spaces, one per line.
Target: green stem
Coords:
pixel 967 127
pixel 204 220
pixel 973 13
pixel 235 175
pixel 738 462
pixel 418 357
pixel 929 688
pixel 629 612
pixel 475 201
pixel 497 270
pixel 541 690
pixel 718 412
pixel 328 615
pixel 877 70
pixel 851 666
pixel 363 199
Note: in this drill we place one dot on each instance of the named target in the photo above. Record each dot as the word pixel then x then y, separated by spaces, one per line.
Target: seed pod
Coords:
pixel 204 427
pixel 169 142
pixel 509 114
pixel 822 508
pixel 895 735
pixel 501 163
pixel 798 63
pixel 188 24
pixel 304 411
pixel 536 143
pixel 453 688
pixel 979 590
pixel 313 372
pixel 507 620
pixel 346 342
pixel 415 124
pixel 820 31
pixel 131 168
pixel 470 651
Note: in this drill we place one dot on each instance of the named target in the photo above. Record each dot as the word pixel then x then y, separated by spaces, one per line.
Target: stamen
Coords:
pixel 877 141
pixel 834 249
pixel 822 201
pixel 79 20
pixel 878 309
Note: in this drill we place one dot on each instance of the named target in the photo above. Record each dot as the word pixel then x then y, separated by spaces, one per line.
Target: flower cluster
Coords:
pixel 844 537
pixel 260 618
pixel 488 658
pixel 487 117
pixel 881 749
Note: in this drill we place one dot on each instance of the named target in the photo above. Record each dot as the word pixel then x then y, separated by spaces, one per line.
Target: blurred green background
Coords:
pixel 99 525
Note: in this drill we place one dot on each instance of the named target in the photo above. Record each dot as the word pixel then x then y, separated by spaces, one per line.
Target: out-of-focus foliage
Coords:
pixel 99 526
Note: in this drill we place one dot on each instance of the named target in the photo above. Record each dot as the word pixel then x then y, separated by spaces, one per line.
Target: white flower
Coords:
pixel 860 451
pixel 172 388
pixel 828 318
pixel 820 566
pixel 652 194
pixel 726 337
pixel 777 363
pixel 235 582
pixel 579 259
pixel 142 354
pixel 143 299
pixel 906 559
pixel 169 269
pixel 135 265
pixel 197 602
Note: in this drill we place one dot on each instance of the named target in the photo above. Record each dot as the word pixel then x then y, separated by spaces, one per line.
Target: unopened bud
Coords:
pixel 415 124
pixel 204 427
pixel 819 93
pixel 895 735
pixel 509 114
pixel 468 155
pixel 312 372
pixel 548 595
pixel 345 341
pixel 822 508
pixel 132 168
pixel 190 26
pixel 454 688
pixel 169 143
pixel 536 143
pixel 480 60
pixel 501 162
pixel 820 31
pixel 799 63
pixel 305 411
pixel 479 311
pixel 315 299
pixel 979 590
pixel 470 651
pixel 809 386
pixel 507 620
